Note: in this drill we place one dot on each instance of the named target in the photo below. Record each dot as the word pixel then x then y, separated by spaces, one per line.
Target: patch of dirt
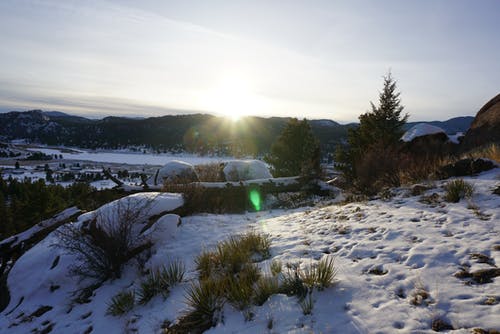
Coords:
pixel 440 324
pixel 482 258
pixel 481 276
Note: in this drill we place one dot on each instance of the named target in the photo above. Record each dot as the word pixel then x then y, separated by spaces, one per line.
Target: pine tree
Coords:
pixel 296 151
pixel 379 130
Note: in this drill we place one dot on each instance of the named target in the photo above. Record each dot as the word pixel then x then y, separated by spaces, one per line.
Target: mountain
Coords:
pixel 199 133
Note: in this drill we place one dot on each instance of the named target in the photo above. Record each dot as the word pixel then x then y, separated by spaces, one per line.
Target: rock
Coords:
pixel 244 170
pixel 164 228
pixel 465 167
pixel 421 130
pixel 427 140
pixel 497 191
pixel 485 129
pixel 175 172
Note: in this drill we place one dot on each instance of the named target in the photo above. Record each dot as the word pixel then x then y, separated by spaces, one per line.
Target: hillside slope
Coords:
pixel 397 263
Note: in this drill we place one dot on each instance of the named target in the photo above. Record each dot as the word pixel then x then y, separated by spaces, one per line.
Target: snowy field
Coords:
pixel 130 158
pixel 396 261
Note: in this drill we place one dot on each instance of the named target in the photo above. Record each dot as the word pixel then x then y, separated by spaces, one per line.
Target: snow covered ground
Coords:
pixel 131 158
pixel 396 259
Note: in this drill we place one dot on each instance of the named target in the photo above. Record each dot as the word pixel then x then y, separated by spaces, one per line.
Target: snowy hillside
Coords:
pixel 404 263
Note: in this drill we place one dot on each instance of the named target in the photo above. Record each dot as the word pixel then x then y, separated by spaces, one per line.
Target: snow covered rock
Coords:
pixel 175 172
pixel 420 130
pixel 243 170
pixel 136 208
pixel 164 228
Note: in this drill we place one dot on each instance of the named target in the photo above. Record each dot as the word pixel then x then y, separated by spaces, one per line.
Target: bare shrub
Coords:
pixel 103 244
pixel 212 172
pixel 491 151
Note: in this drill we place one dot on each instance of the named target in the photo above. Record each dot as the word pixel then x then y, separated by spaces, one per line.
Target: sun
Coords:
pixel 232 97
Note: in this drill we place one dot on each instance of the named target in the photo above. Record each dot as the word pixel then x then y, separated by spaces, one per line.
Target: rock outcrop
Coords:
pixel 485 129
pixel 427 140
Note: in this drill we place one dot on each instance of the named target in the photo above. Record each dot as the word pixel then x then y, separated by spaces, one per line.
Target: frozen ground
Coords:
pixel 388 253
pixel 130 158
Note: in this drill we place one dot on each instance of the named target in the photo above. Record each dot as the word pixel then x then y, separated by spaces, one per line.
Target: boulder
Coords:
pixel 465 167
pixel 244 170
pixel 485 129
pixel 175 172
pixel 427 140
pixel 421 130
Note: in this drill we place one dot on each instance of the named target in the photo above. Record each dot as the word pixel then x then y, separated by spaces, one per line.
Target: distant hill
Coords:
pixel 200 133
pixel 193 133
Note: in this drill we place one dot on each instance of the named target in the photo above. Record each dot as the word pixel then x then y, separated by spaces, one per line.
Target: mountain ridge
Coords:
pixel 199 133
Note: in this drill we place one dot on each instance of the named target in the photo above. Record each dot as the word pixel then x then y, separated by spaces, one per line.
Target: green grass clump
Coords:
pixel 233 254
pixel 229 274
pixel 292 284
pixel 239 293
pixel 265 288
pixel 205 300
pixel 457 190
pixel 174 272
pixel 307 304
pixel 159 281
pixel 121 303
pixel 325 273
pixel 276 266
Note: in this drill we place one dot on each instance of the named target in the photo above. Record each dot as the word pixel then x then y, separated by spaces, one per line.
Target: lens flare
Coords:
pixel 255 199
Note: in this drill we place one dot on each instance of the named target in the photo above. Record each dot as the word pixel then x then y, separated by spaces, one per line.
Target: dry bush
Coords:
pixel 104 244
pixel 413 169
pixel 212 172
pixel 197 198
pixel 376 169
pixel 491 152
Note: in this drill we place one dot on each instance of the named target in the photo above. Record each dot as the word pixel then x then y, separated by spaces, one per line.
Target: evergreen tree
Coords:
pixel 379 130
pixel 296 151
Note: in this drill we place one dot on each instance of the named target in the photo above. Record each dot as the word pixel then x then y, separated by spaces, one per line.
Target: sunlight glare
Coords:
pixel 232 97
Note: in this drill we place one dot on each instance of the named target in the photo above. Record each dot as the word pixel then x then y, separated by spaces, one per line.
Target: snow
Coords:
pixel 25 235
pixel 130 157
pixel 171 170
pixel 412 244
pixel 137 207
pixel 456 137
pixel 243 170
pixel 419 130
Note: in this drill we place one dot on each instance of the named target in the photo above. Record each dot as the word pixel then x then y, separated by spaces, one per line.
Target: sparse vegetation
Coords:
pixel 229 274
pixel 212 172
pixel 276 267
pixel 307 304
pixel 491 152
pixel 155 283
pixel 457 190
pixel 105 243
pixel 205 299
pixel 121 303
pixel 265 287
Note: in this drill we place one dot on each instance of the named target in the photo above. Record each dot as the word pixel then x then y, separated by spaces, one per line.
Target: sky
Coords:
pixel 313 59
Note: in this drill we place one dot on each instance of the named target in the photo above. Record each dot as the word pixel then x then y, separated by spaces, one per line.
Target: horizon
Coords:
pixel 194 112
pixel 234 59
